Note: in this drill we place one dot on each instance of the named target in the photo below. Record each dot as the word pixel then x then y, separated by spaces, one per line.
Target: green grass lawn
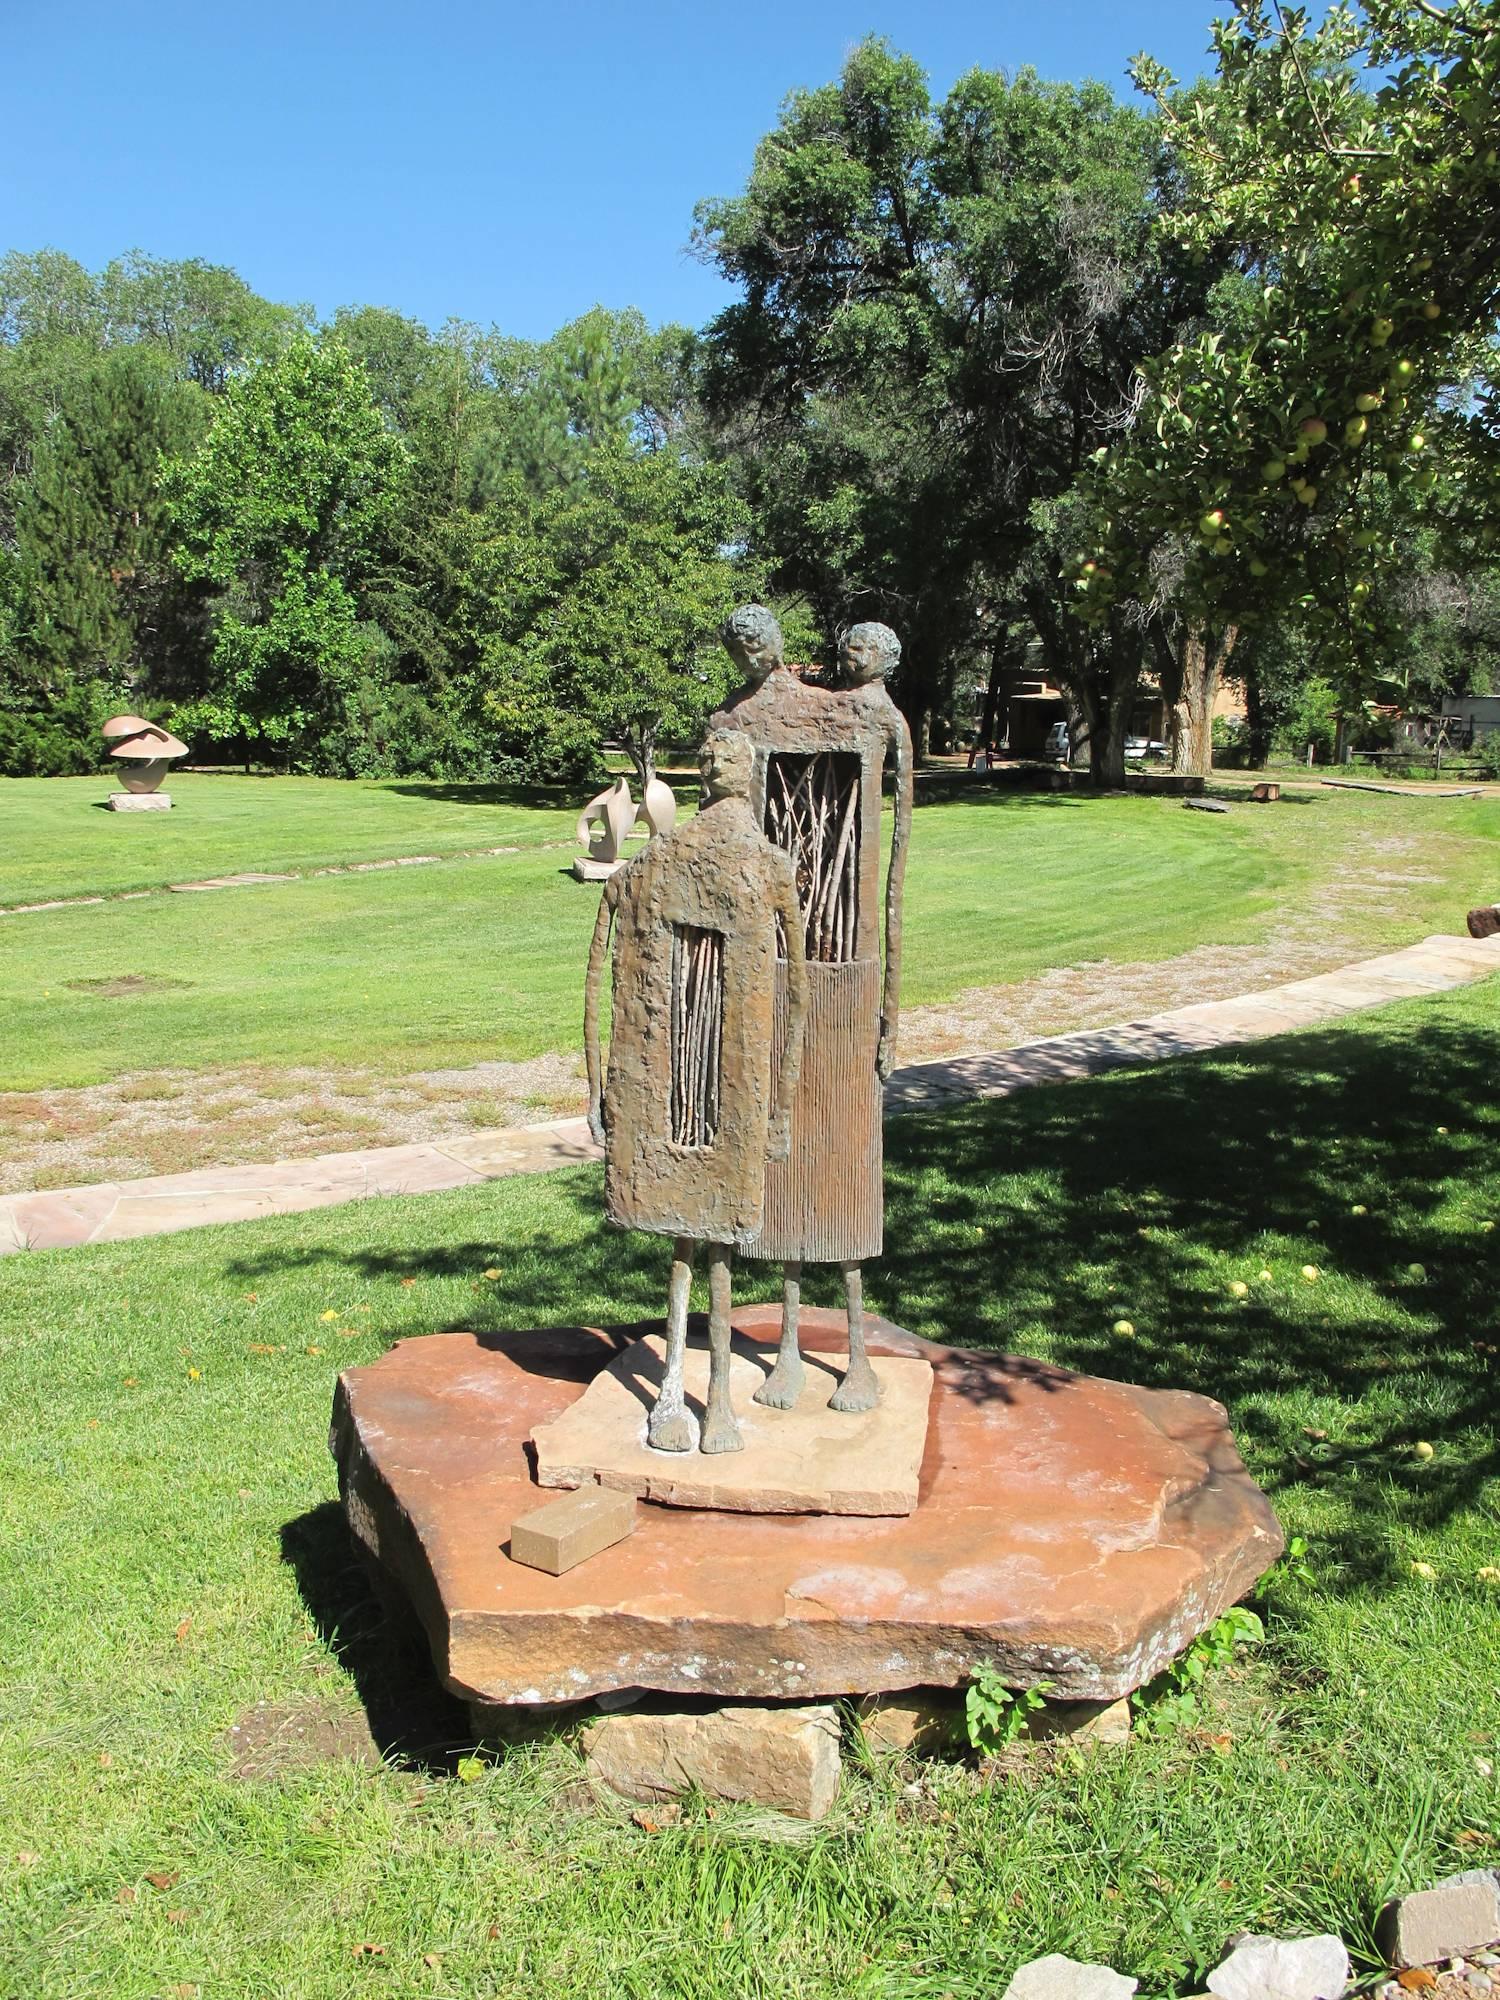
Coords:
pixel 483 959
pixel 173 1556
pixel 59 841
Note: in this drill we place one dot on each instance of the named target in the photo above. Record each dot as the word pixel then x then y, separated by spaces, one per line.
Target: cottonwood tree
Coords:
pixel 1351 173
pixel 616 586
pixel 944 306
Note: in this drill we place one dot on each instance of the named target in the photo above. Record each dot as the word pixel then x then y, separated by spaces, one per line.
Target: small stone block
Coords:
pixel 919 1719
pixel 586 870
pixel 1485 921
pixel 1265 1968
pixel 785 1758
pixel 1455 1918
pixel 567 1531
pixel 139 802
pixel 1091 1723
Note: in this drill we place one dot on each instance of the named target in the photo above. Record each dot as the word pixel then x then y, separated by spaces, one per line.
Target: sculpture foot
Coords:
pixel 720 1433
pixel 858 1391
pixel 782 1386
pixel 670 1430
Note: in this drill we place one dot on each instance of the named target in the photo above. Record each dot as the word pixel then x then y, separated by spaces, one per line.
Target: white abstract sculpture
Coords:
pixel 144 750
pixel 609 820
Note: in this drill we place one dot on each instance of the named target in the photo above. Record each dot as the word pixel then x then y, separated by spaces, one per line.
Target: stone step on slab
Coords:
pixel 783 1758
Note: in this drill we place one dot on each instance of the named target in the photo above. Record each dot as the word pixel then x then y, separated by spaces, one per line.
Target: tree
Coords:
pixel 1274 456
pixel 280 509
pixel 103 602
pixel 944 308
pixel 616 586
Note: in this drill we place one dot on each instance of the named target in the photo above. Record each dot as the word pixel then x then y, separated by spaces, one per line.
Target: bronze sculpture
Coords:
pixel 820 753
pixel 695 1103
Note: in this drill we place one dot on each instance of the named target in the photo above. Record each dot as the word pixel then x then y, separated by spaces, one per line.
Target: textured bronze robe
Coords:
pixel 817 793
pixel 691 1076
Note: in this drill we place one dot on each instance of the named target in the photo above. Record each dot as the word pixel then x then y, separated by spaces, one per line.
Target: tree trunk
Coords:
pixel 992 694
pixel 642 753
pixel 1201 660
pixel 1107 745
pixel 1259 748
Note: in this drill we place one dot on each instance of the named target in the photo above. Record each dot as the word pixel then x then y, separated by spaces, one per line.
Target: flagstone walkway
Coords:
pixel 115 1211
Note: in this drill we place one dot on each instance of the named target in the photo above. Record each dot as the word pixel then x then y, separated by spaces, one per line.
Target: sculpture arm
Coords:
pixel 598 947
pixel 890 1004
pixel 787 908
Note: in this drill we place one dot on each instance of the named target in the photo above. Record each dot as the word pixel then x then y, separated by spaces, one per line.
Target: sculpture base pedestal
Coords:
pixel 1068 1529
pixel 585 870
pixel 808 1460
pixel 139 802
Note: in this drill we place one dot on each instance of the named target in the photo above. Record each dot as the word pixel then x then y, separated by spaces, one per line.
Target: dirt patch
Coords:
pixel 127 985
pixel 274 1738
pixel 171 1121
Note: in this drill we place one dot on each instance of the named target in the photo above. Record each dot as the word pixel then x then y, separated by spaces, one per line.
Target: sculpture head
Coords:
pixel 727 764
pixel 752 638
pixel 869 653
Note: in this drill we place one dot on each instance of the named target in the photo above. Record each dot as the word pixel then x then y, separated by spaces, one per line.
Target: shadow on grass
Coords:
pixel 1036 1223
pixel 414 1723
pixel 547 797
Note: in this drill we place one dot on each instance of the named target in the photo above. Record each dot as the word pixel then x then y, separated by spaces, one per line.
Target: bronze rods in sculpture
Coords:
pixel 820 754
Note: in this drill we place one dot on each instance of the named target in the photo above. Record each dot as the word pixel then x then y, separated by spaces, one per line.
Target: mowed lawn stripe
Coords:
pixel 483 959
pixel 55 839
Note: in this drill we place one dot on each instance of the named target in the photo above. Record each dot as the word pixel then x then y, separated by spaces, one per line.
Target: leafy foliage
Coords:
pixel 996 1716
pixel 280 508
pixel 1173 1699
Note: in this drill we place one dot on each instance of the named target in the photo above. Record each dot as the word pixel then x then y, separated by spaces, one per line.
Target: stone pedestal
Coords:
pixel 586 870
pixel 139 802
pixel 1068 1529
pixel 807 1460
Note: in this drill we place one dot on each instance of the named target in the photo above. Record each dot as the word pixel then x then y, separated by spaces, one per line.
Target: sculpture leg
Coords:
pixel 671 1426
pixel 859 1389
pixel 783 1385
pixel 720 1431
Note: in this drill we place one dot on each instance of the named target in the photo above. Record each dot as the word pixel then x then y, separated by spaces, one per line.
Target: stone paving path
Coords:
pixel 115 1211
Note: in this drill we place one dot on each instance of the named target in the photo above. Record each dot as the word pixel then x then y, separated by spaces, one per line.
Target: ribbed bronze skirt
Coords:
pixel 826 1204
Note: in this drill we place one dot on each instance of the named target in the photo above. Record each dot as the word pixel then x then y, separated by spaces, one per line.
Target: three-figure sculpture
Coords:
pixel 755 1010
pixel 694 1105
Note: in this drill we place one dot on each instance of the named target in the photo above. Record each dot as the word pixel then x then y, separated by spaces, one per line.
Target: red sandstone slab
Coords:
pixel 1068 1529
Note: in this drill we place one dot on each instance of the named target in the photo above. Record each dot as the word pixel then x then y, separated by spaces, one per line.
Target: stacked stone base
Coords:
pixel 1068 1531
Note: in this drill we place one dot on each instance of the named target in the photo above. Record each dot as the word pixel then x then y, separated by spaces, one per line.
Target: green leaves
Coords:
pixel 281 508
pixel 995 1716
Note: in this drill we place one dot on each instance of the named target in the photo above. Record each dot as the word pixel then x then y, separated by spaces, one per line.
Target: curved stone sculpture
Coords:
pixel 657 811
pixel 144 750
pixel 609 820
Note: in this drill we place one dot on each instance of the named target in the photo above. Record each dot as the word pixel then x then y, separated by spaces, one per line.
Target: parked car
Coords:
pixel 1139 748
pixel 1057 746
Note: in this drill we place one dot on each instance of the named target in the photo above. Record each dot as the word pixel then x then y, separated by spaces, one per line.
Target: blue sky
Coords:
pixel 499 163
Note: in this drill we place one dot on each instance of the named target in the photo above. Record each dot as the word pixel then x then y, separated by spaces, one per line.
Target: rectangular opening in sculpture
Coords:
pixel 697 1033
pixel 812 810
